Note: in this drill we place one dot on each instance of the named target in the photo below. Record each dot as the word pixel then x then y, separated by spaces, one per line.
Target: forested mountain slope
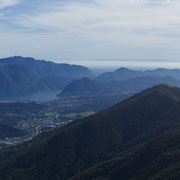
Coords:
pixel 65 152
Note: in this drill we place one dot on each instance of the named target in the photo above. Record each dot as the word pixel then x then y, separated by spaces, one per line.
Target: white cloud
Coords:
pixel 113 64
pixel 129 22
pixel 116 15
pixel 102 29
pixel 6 3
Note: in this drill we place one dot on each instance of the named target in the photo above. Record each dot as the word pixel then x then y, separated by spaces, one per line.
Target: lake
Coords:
pixel 39 96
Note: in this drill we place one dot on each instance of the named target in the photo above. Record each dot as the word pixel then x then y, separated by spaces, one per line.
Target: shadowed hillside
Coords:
pixel 7 131
pixel 86 142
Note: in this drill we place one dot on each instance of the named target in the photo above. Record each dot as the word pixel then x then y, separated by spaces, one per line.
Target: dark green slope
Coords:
pixel 157 159
pixel 7 131
pixel 155 154
pixel 84 143
pixel 17 108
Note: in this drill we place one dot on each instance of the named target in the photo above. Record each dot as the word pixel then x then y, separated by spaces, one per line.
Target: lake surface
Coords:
pixel 39 96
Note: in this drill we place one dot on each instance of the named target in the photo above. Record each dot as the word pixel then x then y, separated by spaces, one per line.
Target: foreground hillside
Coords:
pixel 130 136
pixel 157 159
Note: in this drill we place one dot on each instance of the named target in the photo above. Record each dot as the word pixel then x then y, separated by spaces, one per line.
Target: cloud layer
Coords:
pixel 7 3
pixel 93 29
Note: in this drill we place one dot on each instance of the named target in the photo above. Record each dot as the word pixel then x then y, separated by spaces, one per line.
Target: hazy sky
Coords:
pixel 86 30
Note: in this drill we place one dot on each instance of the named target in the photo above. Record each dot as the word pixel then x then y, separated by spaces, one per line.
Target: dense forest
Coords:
pixel 137 138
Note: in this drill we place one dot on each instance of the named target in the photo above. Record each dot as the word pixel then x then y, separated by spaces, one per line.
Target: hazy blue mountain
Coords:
pixel 119 75
pixel 42 68
pixel 15 79
pixel 125 74
pixel 83 87
pixel 131 133
pixel 175 73
pixel 20 75
pixel 55 82
pixel 145 82
pixel 89 87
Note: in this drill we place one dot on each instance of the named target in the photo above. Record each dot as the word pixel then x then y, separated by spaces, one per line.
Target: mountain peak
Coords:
pixel 162 85
pixel 171 92
pixel 123 69
pixel 103 135
pixel 120 74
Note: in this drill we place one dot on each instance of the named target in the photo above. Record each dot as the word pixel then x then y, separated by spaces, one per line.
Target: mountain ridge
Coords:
pixel 19 75
pixel 84 143
pixel 122 74
pixel 89 87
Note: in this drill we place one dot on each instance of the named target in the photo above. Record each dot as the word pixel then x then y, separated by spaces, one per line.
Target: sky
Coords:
pixel 93 32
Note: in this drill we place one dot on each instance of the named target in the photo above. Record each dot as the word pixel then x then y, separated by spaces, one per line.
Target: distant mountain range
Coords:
pixel 41 68
pixel 125 74
pixel 89 87
pixel 119 75
pixel 19 75
pixel 135 139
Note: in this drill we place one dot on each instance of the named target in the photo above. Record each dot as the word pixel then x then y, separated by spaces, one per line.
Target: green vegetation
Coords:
pixel 156 159
pixel 137 138
pixel 9 131
pixel 34 118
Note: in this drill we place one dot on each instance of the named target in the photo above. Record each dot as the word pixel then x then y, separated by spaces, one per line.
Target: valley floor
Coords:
pixel 37 117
